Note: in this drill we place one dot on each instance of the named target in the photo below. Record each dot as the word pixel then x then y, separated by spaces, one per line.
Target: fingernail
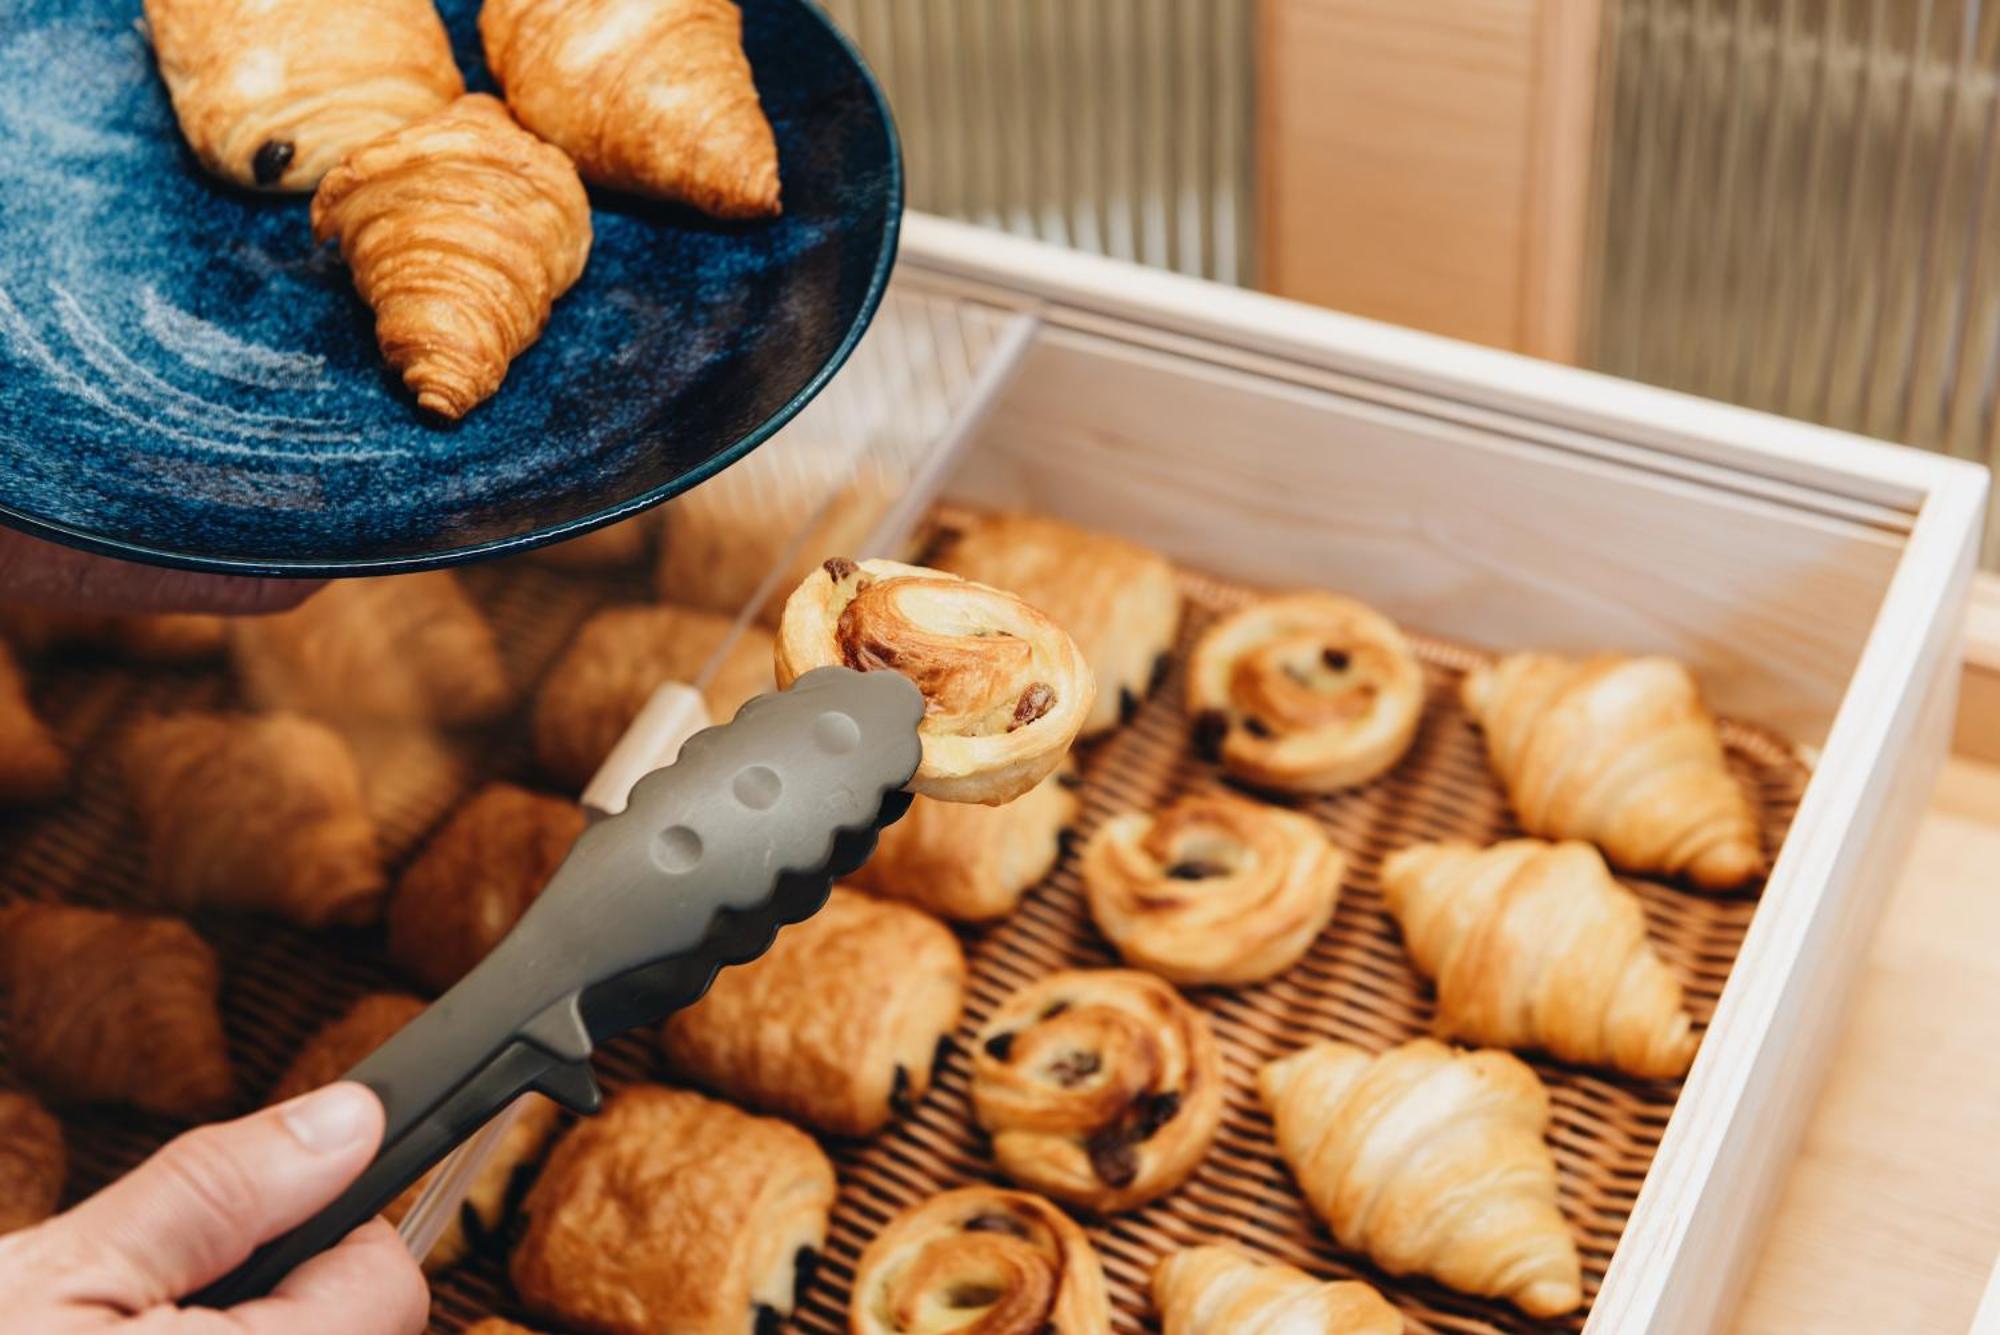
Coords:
pixel 329 1119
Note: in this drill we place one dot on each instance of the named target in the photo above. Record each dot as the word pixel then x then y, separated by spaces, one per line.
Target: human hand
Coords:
pixel 52 575
pixel 194 1211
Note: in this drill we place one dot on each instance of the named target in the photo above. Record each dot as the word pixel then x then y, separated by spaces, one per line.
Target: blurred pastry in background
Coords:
pixel 972 863
pixel 650 96
pixel 1305 693
pixel 1118 601
pixel 619 657
pixel 114 1008
pixel 612 547
pixel 33 765
pixel 157 637
pixel 368 1024
pixel 474 880
pixel 33 1162
pixel 980 1259
pixel 398 649
pixel 1220 1291
pixel 494 1325
pixel 838 1025
pixel 670 1211
pixel 257 813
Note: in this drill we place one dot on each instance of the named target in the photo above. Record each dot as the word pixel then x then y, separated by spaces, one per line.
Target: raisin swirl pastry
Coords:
pixel 1213 889
pixel 1305 693
pixel 972 863
pixel 272 93
pixel 1005 688
pixel 33 1162
pixel 984 1260
pixel 33 765
pixel 1099 1087
pixel 1220 1291
pixel 671 1212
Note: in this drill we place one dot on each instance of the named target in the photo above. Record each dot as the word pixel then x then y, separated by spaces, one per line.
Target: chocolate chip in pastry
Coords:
pixel 1432 1161
pixel 461 230
pixel 368 1024
pixel 980 1259
pixel 260 813
pixel 972 863
pixel 1117 600
pixel 1220 1291
pixel 160 637
pixel 651 96
pixel 475 879
pixel 837 1025
pixel 618 659
pixel 1005 689
pixel 669 1211
pixel 114 1008
pixel 1305 693
pixel 1534 945
pixel 1212 890
pixel 1100 1087
pixel 400 649
pixel 33 765
pixel 272 93
pixel 1620 752
pixel 33 1162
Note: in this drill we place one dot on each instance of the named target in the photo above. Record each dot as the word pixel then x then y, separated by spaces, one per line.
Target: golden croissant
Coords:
pixel 1431 1161
pixel 652 96
pixel 1621 752
pixel 461 229
pixel 1220 1291
pixel 272 93
pixel 1534 945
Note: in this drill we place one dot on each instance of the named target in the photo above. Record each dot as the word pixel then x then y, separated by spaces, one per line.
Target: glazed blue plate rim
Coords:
pixel 515 543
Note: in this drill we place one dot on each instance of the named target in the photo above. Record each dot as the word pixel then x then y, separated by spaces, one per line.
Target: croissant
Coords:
pixel 271 93
pixel 972 863
pixel 401 649
pixel 980 1259
pixel 1005 689
pixel 33 1162
pixel 462 229
pixel 160 637
pixel 1534 945
pixel 260 813
pixel 612 668
pixel 1099 1087
pixel 1621 752
pixel 651 96
pixel 1220 1291
pixel 1305 693
pixel 1431 1161
pixel 110 1008
pixel 1213 889
pixel 475 879
pixel 33 765
pixel 671 1212
pixel 366 1026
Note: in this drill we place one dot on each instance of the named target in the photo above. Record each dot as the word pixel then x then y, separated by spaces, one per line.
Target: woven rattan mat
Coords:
pixel 280 983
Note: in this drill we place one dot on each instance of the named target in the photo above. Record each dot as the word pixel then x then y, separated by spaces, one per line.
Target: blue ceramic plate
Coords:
pixel 185 378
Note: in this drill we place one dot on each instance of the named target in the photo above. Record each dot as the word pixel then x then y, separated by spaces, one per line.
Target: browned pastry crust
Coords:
pixel 461 230
pixel 272 93
pixel 33 765
pixel 113 1008
pixel 1100 1087
pixel 652 96
pixel 837 1025
pixel 983 1260
pixel 618 659
pixel 1621 752
pixel 1117 600
pixel 671 1212
pixel 972 863
pixel 1305 693
pixel 369 1023
pixel 160 637
pixel 1220 1291
pixel 33 1162
pixel 1213 889
pixel 475 879
pixel 494 1325
pixel 254 812
pixel 1005 689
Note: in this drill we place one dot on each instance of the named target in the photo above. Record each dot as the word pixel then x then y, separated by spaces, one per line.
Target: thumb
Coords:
pixel 195 1211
